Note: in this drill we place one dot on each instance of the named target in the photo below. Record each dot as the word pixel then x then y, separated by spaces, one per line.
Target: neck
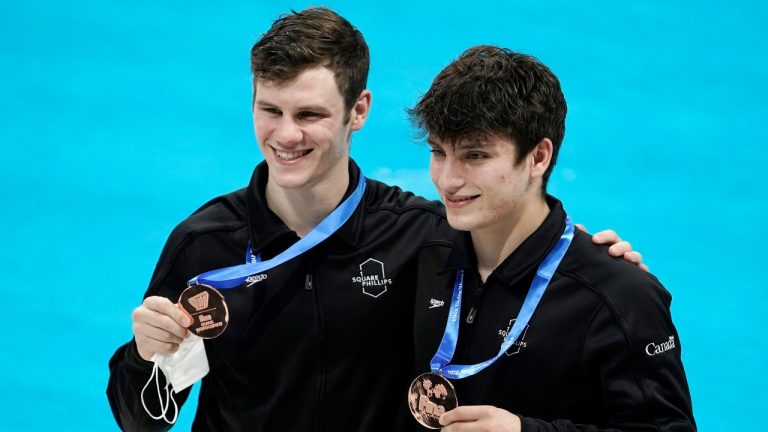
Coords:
pixel 301 209
pixel 495 243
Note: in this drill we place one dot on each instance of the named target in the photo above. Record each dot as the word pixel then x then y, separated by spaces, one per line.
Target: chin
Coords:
pixel 289 180
pixel 461 223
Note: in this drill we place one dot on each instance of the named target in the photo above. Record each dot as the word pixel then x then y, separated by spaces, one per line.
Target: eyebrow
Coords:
pixel 313 108
pixel 264 103
pixel 472 144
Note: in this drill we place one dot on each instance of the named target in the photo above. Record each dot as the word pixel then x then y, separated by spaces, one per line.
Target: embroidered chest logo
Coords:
pixel 251 280
pixel 372 279
pixel 520 343
pixel 652 348
pixel 435 303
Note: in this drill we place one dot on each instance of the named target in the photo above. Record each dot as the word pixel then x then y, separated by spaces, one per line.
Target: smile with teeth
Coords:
pixel 286 155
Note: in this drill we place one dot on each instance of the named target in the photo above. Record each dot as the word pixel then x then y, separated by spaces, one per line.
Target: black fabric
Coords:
pixel 309 348
pixel 581 364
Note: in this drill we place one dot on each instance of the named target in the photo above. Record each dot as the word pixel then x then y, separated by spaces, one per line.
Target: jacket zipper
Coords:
pixel 309 285
pixel 470 320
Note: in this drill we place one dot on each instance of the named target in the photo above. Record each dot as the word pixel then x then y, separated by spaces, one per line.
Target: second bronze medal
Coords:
pixel 429 397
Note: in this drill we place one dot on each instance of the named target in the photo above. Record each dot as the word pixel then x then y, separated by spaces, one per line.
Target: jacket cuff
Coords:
pixel 528 424
pixel 135 366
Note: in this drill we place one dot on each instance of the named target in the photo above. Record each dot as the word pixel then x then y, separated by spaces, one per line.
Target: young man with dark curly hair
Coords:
pixel 523 322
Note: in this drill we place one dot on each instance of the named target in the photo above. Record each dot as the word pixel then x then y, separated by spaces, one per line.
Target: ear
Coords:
pixel 541 157
pixel 360 110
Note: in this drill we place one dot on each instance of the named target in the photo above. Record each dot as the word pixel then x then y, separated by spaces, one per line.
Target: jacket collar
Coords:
pixel 525 259
pixel 265 226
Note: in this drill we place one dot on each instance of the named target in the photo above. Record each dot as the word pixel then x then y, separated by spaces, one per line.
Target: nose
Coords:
pixel 447 174
pixel 287 132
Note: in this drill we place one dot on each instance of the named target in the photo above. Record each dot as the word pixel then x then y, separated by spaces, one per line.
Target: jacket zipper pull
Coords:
pixel 308 282
pixel 473 309
pixel 471 315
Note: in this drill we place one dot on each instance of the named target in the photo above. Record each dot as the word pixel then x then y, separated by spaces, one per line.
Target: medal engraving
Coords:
pixel 207 308
pixel 429 397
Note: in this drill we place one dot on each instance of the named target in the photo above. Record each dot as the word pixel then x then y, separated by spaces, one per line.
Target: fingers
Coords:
pixel 158 327
pixel 643 267
pixel 479 418
pixel 606 237
pixel 148 346
pixel 633 257
pixel 156 333
pixel 624 250
pixel 467 413
pixel 581 227
pixel 620 249
pixel 169 315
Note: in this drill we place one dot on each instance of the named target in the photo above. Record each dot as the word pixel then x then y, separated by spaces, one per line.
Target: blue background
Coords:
pixel 120 118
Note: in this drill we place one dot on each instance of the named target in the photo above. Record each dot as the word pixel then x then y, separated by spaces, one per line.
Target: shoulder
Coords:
pixel 223 213
pixel 390 208
pixel 633 308
pixel 222 216
pixel 386 198
pixel 630 293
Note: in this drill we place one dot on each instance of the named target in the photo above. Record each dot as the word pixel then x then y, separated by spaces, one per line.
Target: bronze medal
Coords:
pixel 429 397
pixel 207 308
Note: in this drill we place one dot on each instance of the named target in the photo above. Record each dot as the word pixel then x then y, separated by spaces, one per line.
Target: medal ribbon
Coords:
pixel 546 270
pixel 230 277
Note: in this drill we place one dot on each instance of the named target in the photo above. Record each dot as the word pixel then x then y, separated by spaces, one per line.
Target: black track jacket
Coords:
pixel 599 353
pixel 323 343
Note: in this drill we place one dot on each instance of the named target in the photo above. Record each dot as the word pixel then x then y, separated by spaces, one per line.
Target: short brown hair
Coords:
pixel 491 90
pixel 316 36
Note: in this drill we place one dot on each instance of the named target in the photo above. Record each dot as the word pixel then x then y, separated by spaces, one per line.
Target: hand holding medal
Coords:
pixel 201 310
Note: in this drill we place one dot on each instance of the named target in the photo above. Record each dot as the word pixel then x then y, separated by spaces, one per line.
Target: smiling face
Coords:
pixel 483 184
pixel 304 130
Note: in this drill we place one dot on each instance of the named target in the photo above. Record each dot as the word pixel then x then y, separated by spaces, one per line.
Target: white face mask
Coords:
pixel 183 368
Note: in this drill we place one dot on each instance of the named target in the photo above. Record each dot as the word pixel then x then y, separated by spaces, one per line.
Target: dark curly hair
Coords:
pixel 494 91
pixel 316 36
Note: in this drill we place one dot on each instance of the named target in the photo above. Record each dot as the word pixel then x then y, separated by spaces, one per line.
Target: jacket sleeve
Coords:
pixel 632 351
pixel 128 372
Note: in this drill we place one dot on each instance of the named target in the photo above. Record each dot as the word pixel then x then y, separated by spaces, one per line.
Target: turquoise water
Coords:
pixel 120 118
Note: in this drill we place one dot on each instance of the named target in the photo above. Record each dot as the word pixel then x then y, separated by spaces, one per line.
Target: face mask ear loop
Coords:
pixel 175 407
pixel 163 407
pixel 168 398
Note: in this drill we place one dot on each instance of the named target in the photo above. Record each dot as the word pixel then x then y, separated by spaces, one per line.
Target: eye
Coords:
pixel 271 110
pixel 437 152
pixel 474 155
pixel 308 115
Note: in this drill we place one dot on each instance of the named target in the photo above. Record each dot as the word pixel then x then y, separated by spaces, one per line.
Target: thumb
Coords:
pixel 164 306
pixel 182 316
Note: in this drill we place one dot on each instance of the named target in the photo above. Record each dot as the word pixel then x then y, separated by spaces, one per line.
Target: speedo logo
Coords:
pixel 255 279
pixel 435 303
pixel 652 348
